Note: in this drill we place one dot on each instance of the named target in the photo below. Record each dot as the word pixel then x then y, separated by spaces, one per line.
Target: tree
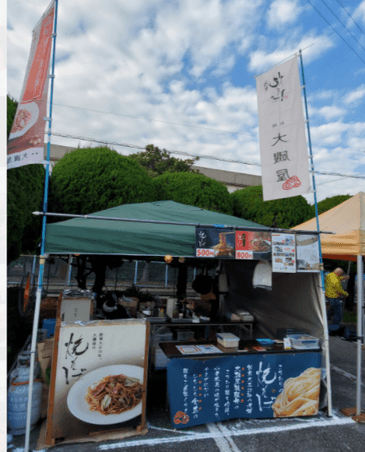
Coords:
pixel 92 179
pixel 157 162
pixel 25 188
pixel 12 105
pixel 194 189
pixel 286 213
pixel 331 202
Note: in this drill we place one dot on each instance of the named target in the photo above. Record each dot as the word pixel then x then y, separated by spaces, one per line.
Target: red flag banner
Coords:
pixel 26 140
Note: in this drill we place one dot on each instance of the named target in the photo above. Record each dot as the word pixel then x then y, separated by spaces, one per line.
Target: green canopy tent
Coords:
pixel 168 228
pixel 146 235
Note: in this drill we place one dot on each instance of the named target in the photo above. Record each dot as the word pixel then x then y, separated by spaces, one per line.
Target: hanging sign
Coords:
pixel 283 146
pixel 307 253
pixel 283 253
pixel 253 245
pixel 248 387
pixel 26 139
pixel 215 242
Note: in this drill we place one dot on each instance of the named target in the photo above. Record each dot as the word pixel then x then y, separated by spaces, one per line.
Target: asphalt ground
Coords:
pixel 319 433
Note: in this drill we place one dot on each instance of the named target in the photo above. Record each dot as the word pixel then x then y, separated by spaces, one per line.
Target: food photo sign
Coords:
pixel 215 242
pixel 253 245
pixel 99 378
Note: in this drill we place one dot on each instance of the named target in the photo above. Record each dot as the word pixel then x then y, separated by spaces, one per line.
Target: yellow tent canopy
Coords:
pixel 347 221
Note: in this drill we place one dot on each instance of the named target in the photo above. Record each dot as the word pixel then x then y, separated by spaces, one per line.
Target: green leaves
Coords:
pixel 286 213
pixel 331 202
pixel 157 162
pixel 25 187
pixel 194 189
pixel 93 179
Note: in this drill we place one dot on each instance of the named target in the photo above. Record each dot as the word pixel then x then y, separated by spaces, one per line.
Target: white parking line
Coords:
pixel 218 434
pixel 345 374
pixel 224 443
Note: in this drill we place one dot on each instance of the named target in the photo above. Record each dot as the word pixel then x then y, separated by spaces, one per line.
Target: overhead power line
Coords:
pixel 208 157
pixel 343 39
pixel 143 118
pixel 353 20
pixel 343 24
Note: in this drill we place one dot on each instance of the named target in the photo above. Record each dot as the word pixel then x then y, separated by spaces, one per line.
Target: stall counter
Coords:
pixel 238 383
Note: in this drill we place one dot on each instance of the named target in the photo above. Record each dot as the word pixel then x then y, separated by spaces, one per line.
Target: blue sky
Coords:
pixel 180 74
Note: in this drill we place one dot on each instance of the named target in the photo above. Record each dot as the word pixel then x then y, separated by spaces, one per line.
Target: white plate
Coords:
pixel 33 109
pixel 80 408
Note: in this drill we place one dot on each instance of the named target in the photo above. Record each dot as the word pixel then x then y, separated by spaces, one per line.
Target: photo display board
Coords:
pixel 215 242
pixel 307 253
pixel 253 245
pixel 99 378
pixel 283 253
pixel 289 253
pixel 247 387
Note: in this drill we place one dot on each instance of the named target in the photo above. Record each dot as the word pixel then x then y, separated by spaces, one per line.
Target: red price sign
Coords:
pixel 244 255
pixel 204 252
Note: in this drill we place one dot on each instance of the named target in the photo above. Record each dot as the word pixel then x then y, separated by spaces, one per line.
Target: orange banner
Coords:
pixel 26 140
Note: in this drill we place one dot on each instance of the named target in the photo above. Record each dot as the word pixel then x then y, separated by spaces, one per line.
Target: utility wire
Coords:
pixel 362 31
pixel 335 31
pixel 135 146
pixel 208 157
pixel 343 24
pixel 155 120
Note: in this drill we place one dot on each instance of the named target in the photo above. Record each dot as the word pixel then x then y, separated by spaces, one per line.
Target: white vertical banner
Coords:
pixel 283 144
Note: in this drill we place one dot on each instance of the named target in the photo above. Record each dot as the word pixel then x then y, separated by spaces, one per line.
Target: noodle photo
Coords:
pixel 300 396
pixel 114 394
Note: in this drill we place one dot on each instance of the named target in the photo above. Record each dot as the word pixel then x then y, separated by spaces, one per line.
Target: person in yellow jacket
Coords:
pixel 334 291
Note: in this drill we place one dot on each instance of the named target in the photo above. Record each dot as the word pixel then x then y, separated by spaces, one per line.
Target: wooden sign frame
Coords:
pixel 118 433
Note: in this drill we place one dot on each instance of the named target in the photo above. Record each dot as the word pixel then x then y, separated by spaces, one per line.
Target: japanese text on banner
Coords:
pixel 283 146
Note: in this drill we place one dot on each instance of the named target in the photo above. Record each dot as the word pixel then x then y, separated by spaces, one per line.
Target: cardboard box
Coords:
pixel 130 303
pixel 45 352
pixel 76 309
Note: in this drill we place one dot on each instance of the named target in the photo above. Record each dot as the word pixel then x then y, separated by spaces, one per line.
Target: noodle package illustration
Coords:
pixel 261 385
pixel 300 395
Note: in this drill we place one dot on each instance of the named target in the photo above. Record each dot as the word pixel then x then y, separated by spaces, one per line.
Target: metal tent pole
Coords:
pixel 360 301
pixel 42 257
pixel 323 299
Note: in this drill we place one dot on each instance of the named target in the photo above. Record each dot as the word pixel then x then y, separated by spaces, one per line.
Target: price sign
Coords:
pixel 204 252
pixel 215 242
pixel 244 255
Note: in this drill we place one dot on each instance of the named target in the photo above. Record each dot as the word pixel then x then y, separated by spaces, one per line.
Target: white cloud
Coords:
pixel 355 95
pixel 329 112
pixel 359 13
pixel 282 12
pixel 315 45
pixel 184 69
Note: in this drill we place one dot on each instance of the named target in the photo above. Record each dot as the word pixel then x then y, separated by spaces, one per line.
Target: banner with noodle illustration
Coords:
pixel 251 386
pixel 26 139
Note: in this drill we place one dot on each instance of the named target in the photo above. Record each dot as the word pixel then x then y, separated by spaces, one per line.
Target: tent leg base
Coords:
pixel 360 418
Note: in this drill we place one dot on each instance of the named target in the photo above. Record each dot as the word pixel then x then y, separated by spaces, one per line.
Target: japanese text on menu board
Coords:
pixel 283 253
pixel 250 386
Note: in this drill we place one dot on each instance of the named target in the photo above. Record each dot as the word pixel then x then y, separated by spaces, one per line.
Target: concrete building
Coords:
pixel 232 180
